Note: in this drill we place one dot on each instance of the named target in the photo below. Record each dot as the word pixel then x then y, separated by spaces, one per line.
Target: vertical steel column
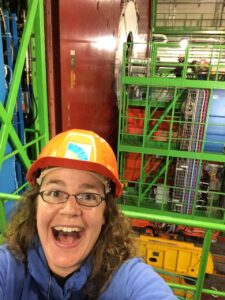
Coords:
pixel 203 264
pixel 15 41
pixel 39 74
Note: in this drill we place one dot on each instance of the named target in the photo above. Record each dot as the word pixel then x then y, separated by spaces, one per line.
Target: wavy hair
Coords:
pixel 115 244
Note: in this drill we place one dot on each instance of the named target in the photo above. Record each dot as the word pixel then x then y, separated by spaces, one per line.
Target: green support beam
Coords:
pixel 32 41
pixel 39 77
pixel 7 113
pixel 172 82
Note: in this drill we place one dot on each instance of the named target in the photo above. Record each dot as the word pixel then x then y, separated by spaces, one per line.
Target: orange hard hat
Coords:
pixel 78 149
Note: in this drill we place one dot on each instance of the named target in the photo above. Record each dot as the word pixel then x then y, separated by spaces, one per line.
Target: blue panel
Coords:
pixel 2 72
pixel 7 172
pixel 215 134
pixel 8 181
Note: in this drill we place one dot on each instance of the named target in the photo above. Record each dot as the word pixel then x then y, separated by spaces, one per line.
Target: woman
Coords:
pixel 67 239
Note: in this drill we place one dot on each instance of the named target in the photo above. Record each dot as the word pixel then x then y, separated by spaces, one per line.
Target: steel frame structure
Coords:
pixel 139 124
pixel 32 36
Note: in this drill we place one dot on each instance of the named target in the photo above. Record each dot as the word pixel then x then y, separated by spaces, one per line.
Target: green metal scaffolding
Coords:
pixel 160 137
pixel 33 36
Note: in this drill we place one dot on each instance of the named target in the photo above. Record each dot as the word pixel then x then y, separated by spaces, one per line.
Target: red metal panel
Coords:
pixel 87 88
pixel 83 95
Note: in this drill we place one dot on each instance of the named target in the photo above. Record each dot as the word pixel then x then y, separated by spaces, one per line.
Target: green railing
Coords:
pixel 188 17
pixel 164 150
pixel 164 122
pixel 158 140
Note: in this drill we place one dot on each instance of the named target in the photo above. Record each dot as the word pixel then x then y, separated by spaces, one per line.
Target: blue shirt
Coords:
pixel 134 280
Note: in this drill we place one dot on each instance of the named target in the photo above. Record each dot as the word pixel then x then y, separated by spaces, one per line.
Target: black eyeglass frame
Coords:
pixel 41 193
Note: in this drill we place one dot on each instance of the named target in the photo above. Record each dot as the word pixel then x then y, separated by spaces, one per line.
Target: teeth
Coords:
pixel 68 229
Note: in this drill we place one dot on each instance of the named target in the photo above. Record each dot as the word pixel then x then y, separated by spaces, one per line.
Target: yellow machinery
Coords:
pixel 173 256
pixel 174 260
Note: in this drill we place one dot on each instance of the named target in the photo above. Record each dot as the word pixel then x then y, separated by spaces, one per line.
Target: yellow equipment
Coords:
pixel 173 256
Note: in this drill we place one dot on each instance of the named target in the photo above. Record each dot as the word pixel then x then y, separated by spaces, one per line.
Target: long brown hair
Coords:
pixel 114 245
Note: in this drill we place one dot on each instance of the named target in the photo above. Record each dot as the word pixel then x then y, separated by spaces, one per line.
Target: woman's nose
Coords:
pixel 71 206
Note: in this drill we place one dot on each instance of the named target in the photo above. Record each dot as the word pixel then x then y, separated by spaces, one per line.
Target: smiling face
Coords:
pixel 68 231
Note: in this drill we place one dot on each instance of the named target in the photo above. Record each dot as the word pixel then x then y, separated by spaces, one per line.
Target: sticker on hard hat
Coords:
pixel 78 151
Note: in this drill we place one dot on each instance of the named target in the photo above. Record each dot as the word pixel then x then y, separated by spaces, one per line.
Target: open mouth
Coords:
pixel 67 235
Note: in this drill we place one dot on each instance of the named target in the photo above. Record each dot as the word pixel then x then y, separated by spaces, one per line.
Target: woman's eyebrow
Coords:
pixel 55 181
pixel 62 183
pixel 88 186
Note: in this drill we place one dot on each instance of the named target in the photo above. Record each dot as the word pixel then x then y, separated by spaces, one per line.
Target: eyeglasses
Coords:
pixel 84 199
